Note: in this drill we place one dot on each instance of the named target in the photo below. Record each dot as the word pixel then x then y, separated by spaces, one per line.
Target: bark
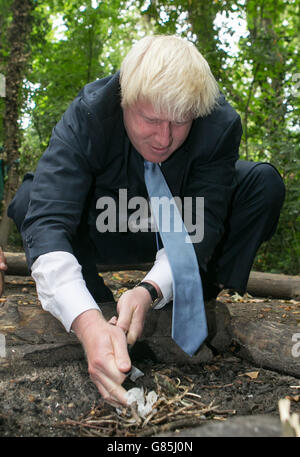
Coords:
pixel 34 334
pixel 18 34
pixel 274 285
pixel 267 344
pixel 16 263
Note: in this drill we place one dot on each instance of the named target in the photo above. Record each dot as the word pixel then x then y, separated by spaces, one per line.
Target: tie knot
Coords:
pixel 149 165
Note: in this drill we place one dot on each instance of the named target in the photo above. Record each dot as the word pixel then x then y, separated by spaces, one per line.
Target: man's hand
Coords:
pixel 132 308
pixel 106 350
pixel 105 342
pixel 3 268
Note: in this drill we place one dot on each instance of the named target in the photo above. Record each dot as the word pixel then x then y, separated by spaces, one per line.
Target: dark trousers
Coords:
pixel 252 219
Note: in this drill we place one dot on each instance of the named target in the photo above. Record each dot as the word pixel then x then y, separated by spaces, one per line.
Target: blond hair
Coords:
pixel 172 74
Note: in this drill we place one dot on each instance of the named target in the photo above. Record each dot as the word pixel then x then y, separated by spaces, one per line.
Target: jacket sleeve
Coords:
pixel 212 177
pixel 60 187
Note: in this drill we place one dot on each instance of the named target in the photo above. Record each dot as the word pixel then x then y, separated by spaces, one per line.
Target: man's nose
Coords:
pixel 164 135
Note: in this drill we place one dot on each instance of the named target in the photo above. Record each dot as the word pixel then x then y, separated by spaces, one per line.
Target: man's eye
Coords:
pixel 180 122
pixel 152 121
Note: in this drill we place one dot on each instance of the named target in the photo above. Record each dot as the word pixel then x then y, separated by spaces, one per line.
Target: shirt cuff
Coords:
pixel 161 274
pixel 61 288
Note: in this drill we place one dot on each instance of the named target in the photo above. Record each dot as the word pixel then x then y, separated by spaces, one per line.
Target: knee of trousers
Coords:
pixel 272 187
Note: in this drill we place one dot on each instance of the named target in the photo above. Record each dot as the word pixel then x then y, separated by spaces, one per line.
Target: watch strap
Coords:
pixel 151 289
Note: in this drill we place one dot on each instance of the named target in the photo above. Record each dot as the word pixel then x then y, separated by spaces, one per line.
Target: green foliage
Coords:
pixel 282 253
pixel 260 82
pixel 270 55
pixel 76 41
pixel 80 43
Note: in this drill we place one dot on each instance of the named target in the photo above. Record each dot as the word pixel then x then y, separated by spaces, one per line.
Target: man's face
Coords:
pixel 154 137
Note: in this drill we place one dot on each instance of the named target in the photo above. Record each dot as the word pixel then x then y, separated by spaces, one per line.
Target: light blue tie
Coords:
pixel 189 327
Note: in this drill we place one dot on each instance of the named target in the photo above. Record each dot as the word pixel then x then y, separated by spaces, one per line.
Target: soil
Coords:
pixel 59 400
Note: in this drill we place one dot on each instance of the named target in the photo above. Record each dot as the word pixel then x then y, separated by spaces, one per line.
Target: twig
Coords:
pixel 214 386
pixel 181 409
pixel 181 423
pixel 191 394
pixel 80 424
pixel 224 411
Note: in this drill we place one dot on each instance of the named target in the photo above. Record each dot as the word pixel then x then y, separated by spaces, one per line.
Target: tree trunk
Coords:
pixel 18 34
pixel 201 15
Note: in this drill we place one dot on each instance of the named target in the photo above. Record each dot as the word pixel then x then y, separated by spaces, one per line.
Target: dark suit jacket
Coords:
pixel 89 155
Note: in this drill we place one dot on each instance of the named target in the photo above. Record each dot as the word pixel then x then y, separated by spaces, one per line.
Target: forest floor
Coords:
pixel 56 398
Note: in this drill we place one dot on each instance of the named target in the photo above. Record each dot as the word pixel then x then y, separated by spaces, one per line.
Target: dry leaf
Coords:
pixel 293 397
pixel 211 368
pixel 251 374
pixel 236 297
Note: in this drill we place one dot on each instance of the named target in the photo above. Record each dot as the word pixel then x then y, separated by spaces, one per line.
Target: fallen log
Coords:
pixel 272 345
pixel 35 335
pixel 16 263
pixel 259 284
pixel 274 285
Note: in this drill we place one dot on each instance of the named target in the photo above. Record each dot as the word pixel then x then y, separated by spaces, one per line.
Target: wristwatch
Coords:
pixel 152 291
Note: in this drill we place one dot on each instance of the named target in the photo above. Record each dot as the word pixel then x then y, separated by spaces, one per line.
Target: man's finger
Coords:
pixel 108 380
pixel 3 265
pixel 1 283
pixel 121 355
pixel 124 319
pixel 113 320
pixel 122 358
pixel 110 391
pixel 136 326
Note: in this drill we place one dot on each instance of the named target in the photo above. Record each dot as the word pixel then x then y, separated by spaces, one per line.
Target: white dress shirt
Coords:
pixel 62 290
